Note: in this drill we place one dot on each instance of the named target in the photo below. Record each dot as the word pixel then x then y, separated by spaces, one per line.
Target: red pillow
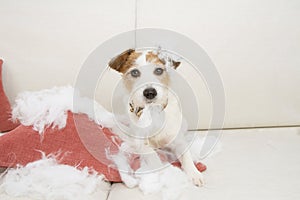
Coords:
pixel 23 145
pixel 5 109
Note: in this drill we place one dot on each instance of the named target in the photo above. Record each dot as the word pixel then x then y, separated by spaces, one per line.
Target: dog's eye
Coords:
pixel 135 73
pixel 158 71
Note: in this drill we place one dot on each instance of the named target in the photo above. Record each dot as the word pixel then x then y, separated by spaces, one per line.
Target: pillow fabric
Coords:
pixel 5 109
pixel 23 145
pixel 81 143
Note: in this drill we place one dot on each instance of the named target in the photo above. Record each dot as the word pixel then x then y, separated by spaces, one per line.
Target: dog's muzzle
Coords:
pixel 150 93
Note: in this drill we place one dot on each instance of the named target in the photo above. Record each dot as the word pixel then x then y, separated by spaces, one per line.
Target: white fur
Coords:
pixel 147 79
pixel 46 179
pixel 142 59
pixel 46 108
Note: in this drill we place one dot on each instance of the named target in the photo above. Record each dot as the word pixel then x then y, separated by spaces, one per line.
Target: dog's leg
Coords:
pixel 190 169
pixel 179 148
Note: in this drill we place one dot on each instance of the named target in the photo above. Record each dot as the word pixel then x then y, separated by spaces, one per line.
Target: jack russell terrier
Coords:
pixel 146 76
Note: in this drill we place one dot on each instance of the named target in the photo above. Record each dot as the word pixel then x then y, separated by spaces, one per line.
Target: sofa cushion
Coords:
pixel 5 109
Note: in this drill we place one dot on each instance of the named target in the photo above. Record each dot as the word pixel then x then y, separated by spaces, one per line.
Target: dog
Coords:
pixel 146 78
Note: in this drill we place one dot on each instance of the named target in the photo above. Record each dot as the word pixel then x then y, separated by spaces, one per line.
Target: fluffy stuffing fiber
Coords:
pixel 169 181
pixel 46 179
pixel 47 108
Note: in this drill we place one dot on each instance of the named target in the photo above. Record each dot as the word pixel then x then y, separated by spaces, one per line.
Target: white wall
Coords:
pixel 255 44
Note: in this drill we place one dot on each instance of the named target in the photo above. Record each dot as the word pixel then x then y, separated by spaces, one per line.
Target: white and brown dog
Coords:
pixel 146 76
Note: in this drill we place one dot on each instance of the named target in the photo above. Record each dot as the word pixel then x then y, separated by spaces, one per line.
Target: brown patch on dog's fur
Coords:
pixel 153 58
pixel 124 61
pixel 175 64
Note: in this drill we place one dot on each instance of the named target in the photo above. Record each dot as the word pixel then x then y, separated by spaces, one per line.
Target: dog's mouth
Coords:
pixel 136 110
pixel 139 110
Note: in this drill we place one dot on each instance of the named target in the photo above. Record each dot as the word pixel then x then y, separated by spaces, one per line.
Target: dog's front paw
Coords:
pixel 197 178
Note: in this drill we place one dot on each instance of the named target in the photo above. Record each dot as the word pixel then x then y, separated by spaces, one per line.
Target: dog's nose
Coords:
pixel 150 93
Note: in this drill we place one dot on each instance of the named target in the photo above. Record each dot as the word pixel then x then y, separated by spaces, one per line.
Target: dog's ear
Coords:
pixel 172 63
pixel 117 63
pixel 168 60
pixel 175 64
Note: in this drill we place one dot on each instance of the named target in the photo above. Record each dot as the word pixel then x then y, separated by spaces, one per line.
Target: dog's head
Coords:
pixel 146 77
